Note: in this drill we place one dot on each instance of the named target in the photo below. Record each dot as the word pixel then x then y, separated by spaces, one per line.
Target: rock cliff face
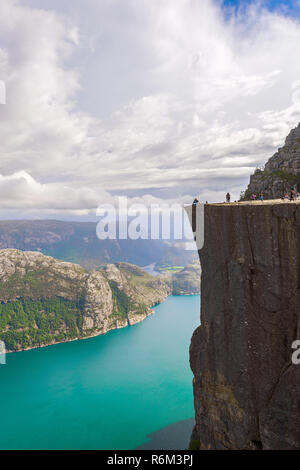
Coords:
pixel 142 290
pixel 288 157
pixel 281 172
pixel 246 389
pixel 44 300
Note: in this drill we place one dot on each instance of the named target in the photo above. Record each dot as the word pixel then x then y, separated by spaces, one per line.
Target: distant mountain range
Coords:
pixel 77 242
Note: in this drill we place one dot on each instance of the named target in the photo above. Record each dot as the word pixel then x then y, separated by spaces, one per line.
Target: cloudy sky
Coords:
pixel 159 100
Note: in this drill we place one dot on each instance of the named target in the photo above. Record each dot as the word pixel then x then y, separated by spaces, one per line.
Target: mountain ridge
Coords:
pixel 281 173
pixel 45 301
pixel 77 242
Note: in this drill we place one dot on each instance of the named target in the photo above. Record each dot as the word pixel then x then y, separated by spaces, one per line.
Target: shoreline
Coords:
pixel 81 338
pixel 152 311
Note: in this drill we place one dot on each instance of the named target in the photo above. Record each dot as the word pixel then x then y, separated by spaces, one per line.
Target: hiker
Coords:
pixel 194 216
pixel 227 197
pixel 261 196
pixel 292 195
pixel 253 197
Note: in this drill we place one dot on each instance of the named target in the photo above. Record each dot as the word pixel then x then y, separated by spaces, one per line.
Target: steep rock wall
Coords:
pixel 246 389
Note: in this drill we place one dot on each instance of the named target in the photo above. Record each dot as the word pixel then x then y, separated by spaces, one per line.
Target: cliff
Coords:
pixel 246 389
pixel 45 301
pixel 282 171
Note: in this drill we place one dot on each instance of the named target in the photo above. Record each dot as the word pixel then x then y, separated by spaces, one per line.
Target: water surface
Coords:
pixel 107 392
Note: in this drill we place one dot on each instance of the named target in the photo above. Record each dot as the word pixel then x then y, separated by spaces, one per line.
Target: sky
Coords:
pixel 157 100
pixel 287 6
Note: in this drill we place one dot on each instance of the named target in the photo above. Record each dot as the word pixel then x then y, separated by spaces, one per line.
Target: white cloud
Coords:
pixel 163 98
pixel 21 188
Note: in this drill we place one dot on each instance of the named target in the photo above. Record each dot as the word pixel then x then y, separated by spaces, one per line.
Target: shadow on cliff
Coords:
pixel 173 437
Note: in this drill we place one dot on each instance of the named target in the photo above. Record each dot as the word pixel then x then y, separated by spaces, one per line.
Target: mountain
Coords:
pixel 77 242
pixel 45 301
pixel 281 173
pixel 187 281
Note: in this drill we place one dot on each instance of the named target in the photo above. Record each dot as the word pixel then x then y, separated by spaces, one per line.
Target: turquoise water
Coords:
pixel 107 392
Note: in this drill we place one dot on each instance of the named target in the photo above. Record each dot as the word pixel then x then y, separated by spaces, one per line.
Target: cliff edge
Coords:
pixel 246 389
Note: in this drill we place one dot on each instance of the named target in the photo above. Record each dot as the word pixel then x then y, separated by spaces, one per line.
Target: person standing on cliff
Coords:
pixel 228 197
pixel 261 196
pixel 292 195
pixel 194 215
